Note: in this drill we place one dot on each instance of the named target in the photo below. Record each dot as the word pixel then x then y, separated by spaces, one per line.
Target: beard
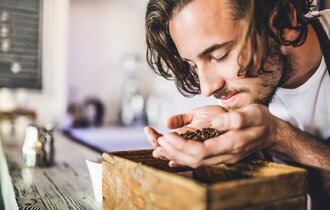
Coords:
pixel 275 74
pixel 280 69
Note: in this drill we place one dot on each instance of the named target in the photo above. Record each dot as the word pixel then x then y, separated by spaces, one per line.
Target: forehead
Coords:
pixel 200 24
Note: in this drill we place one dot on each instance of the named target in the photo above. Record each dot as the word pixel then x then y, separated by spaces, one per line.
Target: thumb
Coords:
pixel 152 136
pixel 179 120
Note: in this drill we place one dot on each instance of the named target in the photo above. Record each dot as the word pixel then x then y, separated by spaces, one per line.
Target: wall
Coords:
pixel 50 103
pixel 101 33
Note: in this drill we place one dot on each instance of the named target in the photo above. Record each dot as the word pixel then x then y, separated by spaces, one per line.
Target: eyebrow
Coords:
pixel 215 47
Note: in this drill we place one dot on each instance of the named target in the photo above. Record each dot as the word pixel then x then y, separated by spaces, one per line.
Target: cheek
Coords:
pixel 230 66
pixel 234 60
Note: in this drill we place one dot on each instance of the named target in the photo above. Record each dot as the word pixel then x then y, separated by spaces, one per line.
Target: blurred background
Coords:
pixel 80 64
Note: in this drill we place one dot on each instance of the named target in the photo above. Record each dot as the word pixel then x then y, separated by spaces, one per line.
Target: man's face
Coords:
pixel 207 37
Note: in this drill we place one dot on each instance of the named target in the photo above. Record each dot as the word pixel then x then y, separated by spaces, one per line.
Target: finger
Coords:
pixel 235 120
pixel 173 164
pixel 179 157
pixel 220 145
pixel 159 153
pixel 243 142
pixel 189 147
pixel 185 129
pixel 179 120
pixel 152 136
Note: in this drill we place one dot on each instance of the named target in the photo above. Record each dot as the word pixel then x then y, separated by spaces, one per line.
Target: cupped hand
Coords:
pixel 198 118
pixel 249 129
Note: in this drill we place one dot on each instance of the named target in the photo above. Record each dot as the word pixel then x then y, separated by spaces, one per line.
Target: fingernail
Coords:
pixel 155 153
pixel 146 131
pixel 172 164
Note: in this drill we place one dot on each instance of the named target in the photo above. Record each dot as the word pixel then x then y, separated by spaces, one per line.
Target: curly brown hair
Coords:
pixel 163 56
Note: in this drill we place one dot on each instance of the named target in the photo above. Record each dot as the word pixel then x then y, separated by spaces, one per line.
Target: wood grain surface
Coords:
pixel 136 180
pixel 65 185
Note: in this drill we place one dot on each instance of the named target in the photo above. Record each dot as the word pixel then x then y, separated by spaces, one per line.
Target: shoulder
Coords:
pixel 325 13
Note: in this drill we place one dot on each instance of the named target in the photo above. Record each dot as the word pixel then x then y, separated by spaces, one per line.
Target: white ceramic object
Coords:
pixel 94 166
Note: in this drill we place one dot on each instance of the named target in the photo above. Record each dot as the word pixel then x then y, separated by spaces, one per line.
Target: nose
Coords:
pixel 209 80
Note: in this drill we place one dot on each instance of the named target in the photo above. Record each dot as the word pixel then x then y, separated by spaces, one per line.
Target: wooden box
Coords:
pixel 136 180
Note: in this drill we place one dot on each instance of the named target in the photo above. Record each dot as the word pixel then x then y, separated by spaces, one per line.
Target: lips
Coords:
pixel 229 100
pixel 227 96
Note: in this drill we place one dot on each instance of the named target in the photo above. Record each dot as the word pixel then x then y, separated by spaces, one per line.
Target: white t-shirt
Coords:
pixel 308 106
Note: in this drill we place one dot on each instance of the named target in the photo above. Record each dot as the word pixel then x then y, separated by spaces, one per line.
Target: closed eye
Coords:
pixel 219 59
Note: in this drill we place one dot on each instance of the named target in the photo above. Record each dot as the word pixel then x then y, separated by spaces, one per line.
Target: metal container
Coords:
pixel 38 148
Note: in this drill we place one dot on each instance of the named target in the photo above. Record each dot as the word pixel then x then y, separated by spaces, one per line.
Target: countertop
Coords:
pixel 65 185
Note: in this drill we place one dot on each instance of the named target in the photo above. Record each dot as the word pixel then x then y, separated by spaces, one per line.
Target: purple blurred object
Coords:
pixel 107 139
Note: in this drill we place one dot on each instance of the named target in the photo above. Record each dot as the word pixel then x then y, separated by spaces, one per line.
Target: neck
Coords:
pixel 305 59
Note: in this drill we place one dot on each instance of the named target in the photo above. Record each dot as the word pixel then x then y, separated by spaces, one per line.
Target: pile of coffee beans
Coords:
pixel 201 135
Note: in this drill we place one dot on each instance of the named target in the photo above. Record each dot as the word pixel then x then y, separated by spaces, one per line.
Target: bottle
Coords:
pixel 48 145
pixel 38 147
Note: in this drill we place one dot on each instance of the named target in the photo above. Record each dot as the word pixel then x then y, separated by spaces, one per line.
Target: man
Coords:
pixel 263 62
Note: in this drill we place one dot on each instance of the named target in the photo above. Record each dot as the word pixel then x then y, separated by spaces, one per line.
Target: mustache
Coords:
pixel 225 91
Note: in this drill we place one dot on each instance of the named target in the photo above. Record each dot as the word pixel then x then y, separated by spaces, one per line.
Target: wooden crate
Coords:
pixel 136 180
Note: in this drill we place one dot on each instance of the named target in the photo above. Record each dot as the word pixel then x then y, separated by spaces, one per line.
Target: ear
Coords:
pixel 288 34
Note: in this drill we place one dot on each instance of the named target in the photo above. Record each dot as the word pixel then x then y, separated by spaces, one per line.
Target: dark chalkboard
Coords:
pixel 20 43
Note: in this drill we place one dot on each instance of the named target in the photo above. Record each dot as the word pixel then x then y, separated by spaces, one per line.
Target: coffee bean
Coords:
pixel 201 135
